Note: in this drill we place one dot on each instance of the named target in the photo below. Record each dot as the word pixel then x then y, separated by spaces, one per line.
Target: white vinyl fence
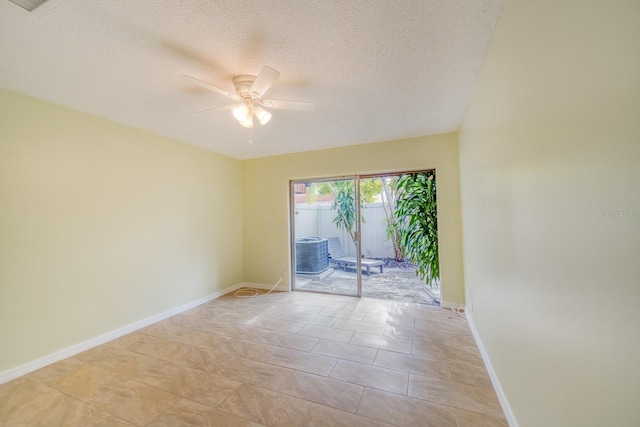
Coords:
pixel 316 220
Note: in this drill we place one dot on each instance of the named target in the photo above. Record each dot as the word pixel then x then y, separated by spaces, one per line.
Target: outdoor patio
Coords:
pixel 398 282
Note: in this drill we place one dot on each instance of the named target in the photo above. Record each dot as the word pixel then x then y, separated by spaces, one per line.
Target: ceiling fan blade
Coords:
pixel 210 86
pixel 220 108
pixel 288 105
pixel 263 81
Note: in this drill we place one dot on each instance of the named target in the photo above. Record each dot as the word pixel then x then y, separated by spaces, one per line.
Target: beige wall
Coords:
pixel 550 175
pixel 102 225
pixel 266 193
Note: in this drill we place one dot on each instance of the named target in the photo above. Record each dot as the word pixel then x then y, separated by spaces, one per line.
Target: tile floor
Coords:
pixel 287 359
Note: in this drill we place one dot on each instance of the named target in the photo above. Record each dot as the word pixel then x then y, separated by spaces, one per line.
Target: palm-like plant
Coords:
pixel 390 187
pixel 344 203
pixel 417 222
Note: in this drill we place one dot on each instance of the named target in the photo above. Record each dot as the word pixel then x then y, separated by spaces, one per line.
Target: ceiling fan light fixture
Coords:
pixel 248 122
pixel 263 115
pixel 241 113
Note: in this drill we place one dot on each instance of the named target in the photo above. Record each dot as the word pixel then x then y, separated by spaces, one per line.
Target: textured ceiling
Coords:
pixel 376 70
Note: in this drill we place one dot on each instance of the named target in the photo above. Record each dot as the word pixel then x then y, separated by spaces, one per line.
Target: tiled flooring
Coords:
pixel 287 359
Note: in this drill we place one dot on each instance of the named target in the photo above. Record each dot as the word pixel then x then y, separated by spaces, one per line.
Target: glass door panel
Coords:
pixel 387 273
pixel 325 236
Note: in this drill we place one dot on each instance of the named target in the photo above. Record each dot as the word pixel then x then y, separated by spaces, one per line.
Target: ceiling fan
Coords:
pixel 248 103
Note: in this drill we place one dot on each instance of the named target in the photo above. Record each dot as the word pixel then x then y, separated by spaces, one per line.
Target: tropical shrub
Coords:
pixel 344 203
pixel 417 223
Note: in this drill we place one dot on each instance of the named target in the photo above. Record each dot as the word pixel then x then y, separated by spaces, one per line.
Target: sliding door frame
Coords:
pixel 357 233
pixel 358 224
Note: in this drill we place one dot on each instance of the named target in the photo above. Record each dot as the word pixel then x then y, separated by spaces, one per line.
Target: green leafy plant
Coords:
pixel 370 189
pixel 344 203
pixel 417 223
pixel 389 197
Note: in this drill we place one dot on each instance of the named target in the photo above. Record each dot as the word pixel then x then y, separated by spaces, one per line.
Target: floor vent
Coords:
pixel 29 5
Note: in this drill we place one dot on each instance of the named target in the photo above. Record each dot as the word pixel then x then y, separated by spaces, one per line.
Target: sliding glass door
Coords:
pixel 325 229
pixel 347 236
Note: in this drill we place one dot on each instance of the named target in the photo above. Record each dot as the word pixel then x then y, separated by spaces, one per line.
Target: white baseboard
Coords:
pixel 448 304
pixel 511 419
pixel 41 362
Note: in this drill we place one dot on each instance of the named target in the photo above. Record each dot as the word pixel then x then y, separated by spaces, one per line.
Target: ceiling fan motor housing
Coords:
pixel 243 85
